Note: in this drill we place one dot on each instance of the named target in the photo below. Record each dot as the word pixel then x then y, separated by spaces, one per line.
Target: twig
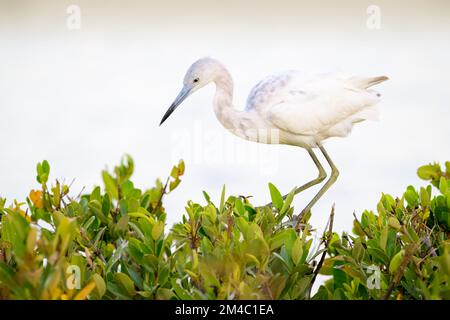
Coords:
pixel 95 250
pixel 163 192
pixel 409 251
pixel 326 240
pixel 360 225
pixel 78 196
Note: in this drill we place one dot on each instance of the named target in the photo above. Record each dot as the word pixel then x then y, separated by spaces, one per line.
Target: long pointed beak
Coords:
pixel 184 93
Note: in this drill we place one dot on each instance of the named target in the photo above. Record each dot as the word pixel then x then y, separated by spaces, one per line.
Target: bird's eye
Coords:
pixel 196 80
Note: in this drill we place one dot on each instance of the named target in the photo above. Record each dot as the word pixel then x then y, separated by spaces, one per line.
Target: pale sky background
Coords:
pixel 83 98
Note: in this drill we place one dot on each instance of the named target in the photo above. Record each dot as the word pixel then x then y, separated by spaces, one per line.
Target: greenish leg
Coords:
pixel 325 187
pixel 320 178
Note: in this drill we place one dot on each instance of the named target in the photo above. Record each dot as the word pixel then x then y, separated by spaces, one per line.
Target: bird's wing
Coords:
pixel 310 106
pixel 269 90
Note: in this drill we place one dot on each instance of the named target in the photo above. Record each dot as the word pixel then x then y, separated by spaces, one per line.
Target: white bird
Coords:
pixel 289 108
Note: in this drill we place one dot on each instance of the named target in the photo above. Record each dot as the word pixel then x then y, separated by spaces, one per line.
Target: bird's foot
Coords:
pixel 297 225
pixel 299 219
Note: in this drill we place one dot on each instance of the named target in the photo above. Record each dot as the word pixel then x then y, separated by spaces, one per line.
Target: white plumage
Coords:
pixel 289 108
pixel 308 110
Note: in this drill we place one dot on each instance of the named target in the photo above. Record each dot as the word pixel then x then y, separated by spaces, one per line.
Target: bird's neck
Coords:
pixel 223 102
pixel 244 124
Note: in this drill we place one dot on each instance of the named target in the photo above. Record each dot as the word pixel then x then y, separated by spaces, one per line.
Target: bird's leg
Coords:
pixel 322 175
pixel 325 187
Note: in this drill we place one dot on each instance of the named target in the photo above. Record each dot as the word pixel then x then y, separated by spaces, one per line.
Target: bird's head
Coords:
pixel 199 74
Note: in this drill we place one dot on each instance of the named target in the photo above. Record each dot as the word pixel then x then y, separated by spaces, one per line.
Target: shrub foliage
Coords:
pixel 400 252
pixel 113 243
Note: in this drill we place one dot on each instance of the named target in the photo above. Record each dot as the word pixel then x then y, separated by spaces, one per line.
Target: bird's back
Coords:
pixel 269 89
pixel 317 107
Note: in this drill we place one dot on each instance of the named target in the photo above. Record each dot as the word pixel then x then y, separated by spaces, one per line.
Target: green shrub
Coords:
pixel 113 243
pixel 405 245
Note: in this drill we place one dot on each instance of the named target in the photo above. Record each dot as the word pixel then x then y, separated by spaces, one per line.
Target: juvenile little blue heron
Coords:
pixel 289 108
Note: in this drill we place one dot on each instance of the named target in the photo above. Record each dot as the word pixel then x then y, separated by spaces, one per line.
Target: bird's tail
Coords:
pixel 365 83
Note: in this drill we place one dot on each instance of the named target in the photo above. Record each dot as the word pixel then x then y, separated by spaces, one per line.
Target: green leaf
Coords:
pixel 429 172
pixel 174 172
pixel 163 276
pixel 222 199
pixel 127 187
pixel 394 223
pixel 207 197
pixel 297 251
pixel 7 275
pixel 125 283
pixel 277 199
pixel 157 230
pixel 95 207
pixel 43 171
pixel 122 224
pixel 181 293
pixel 358 250
pixel 443 185
pixel 96 194
pixel 396 261
pixel 45 167
pixel 445 260
pixel 239 207
pixel 100 286
pixel 411 196
pixel 181 168
pixel 164 294
pixel 424 197
pixel 211 212
pixel 173 184
pixel 391 242
pixel 384 238
pixel 110 185
pixel 443 216
pixel 288 201
pixel 282 238
pixel 88 222
pixel 66 231
pixel 106 204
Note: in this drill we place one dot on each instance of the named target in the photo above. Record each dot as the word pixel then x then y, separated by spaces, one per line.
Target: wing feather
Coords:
pixel 327 103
